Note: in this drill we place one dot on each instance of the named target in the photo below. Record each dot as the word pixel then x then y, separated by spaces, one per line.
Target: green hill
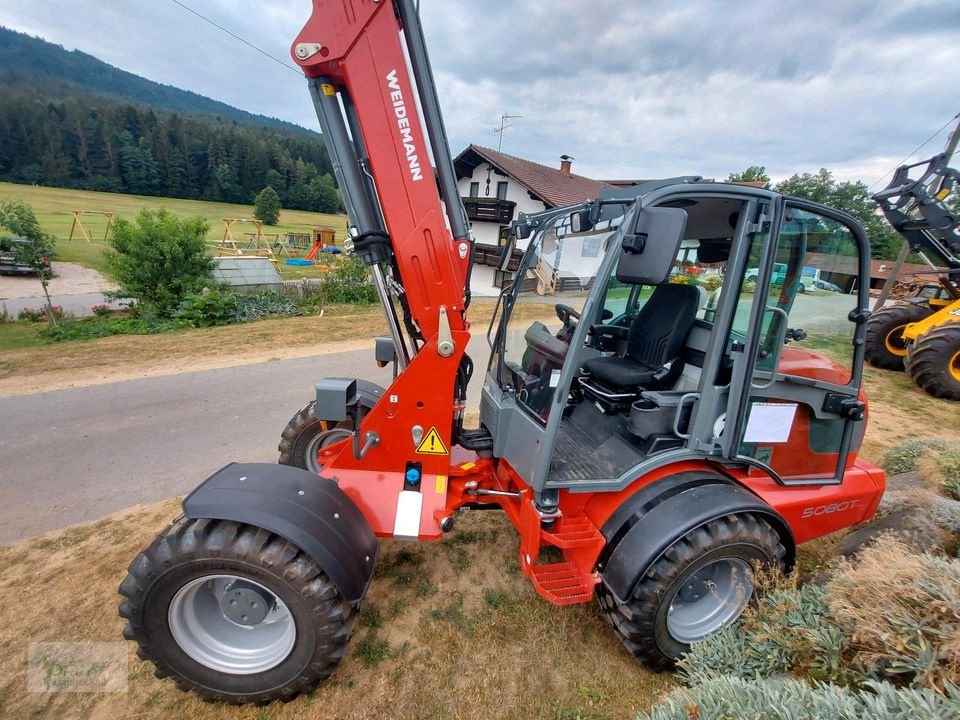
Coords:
pixel 48 69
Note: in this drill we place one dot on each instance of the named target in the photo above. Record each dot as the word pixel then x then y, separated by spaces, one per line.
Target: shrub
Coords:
pixel 101 310
pixel 789 629
pixel 348 282
pixel 903 458
pixel 159 259
pixel 38 314
pixel 98 327
pixel 902 615
pixel 209 308
pixel 893 615
pixel 267 206
pixel 259 305
pixel 778 699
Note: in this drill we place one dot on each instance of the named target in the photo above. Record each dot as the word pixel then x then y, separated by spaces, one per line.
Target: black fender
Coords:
pixel 368 393
pixel 658 515
pixel 309 511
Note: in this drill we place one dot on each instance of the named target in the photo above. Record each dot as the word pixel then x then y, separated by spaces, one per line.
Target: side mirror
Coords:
pixel 506 253
pixel 650 248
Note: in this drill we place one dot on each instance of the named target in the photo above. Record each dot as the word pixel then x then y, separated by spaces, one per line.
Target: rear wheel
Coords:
pixel 306 434
pixel 701 583
pixel 933 361
pixel 234 613
pixel 884 344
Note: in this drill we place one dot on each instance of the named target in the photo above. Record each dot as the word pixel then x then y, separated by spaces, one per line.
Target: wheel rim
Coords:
pixel 320 441
pixel 259 635
pixel 895 343
pixel 714 596
pixel 955 366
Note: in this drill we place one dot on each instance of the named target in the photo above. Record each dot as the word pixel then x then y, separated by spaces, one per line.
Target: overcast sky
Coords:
pixel 630 89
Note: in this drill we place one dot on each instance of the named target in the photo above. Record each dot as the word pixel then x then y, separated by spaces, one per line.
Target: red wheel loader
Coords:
pixel 663 440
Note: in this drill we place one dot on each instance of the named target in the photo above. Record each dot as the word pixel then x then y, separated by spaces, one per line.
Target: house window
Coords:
pixel 501 191
pixel 474 189
pixel 591 246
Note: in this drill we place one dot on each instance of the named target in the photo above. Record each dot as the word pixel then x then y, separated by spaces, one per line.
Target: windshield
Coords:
pixel 558 271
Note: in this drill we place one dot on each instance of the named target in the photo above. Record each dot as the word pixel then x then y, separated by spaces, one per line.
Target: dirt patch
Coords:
pixel 71 279
pixel 449 629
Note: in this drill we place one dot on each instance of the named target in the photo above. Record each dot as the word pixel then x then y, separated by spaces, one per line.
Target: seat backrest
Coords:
pixel 661 327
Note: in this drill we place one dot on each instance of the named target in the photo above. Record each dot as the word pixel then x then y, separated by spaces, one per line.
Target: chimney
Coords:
pixel 565 162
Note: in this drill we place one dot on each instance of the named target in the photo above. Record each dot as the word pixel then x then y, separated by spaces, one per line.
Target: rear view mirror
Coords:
pixel 650 248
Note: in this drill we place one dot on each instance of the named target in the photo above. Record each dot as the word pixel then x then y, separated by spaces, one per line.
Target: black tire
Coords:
pixel 641 622
pixel 933 361
pixel 306 433
pixel 884 346
pixel 191 549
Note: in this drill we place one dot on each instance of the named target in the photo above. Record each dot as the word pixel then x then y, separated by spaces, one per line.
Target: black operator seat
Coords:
pixel 655 337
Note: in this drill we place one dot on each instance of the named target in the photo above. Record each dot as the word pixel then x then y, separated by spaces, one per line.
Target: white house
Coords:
pixel 495 187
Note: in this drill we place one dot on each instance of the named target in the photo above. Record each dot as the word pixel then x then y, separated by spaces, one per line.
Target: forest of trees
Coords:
pixel 100 144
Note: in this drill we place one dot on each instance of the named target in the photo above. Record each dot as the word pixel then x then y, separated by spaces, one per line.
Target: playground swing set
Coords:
pixel 77 228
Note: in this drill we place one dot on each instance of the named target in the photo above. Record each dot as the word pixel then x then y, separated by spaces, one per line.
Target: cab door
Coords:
pixel 794 408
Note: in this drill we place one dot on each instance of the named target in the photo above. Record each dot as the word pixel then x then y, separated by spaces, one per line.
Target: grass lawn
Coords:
pixel 54 208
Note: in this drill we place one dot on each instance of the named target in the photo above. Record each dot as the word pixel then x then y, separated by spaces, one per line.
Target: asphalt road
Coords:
pixel 71 456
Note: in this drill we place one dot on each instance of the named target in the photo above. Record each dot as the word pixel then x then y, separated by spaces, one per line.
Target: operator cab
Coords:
pixel 624 360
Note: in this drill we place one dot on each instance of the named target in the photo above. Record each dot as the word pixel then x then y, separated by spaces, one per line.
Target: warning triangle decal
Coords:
pixel 432 444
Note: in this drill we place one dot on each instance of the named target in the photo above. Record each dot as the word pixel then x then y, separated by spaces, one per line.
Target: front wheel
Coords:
pixel 234 613
pixel 702 583
pixel 884 346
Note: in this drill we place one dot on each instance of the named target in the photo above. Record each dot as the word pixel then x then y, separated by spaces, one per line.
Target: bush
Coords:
pixel 779 699
pixel 38 314
pixel 267 206
pixel 901 611
pixel 257 306
pixel 893 615
pixel 159 259
pixel 98 327
pixel 348 282
pixel 790 628
pixel 942 461
pixel 209 308
pixel 101 310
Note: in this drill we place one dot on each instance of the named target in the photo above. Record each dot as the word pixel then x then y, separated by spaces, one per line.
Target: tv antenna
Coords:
pixel 503 126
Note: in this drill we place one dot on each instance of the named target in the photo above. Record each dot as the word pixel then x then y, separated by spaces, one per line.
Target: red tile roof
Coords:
pixel 547 183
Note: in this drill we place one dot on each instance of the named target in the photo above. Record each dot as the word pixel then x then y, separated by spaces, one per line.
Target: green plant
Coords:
pixel 97 327
pixel 101 310
pixel 903 458
pixel 266 206
pixel 371 650
pixel 256 306
pixel 782 698
pixel 348 282
pixel 38 314
pixel 208 308
pixel 159 259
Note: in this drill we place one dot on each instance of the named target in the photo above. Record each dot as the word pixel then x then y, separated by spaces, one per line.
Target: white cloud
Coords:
pixel 630 89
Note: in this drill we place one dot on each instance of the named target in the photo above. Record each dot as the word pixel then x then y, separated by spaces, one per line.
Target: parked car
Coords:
pixel 10 257
pixel 824 285
pixel 779 276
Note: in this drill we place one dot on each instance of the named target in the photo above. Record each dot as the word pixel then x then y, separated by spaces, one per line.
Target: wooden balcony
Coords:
pixel 491 210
